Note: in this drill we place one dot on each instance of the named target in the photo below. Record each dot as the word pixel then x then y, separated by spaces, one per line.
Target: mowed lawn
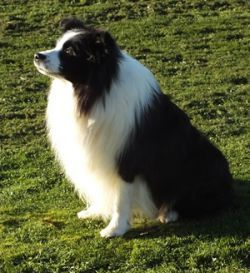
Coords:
pixel 200 54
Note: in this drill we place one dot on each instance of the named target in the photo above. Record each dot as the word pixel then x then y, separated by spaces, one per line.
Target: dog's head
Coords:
pixel 79 54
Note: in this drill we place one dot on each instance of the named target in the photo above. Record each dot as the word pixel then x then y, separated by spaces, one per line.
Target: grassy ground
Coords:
pixel 199 52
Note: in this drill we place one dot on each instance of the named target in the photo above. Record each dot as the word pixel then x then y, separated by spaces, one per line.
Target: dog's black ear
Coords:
pixel 104 42
pixel 71 23
pixel 102 45
pixel 103 38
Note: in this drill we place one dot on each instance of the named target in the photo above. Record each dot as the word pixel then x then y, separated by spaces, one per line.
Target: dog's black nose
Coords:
pixel 39 57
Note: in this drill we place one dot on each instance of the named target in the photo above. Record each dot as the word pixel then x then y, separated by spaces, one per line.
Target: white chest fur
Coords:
pixel 83 146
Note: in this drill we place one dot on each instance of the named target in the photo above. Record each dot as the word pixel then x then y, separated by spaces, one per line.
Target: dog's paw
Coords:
pixel 111 231
pixel 88 213
pixel 171 216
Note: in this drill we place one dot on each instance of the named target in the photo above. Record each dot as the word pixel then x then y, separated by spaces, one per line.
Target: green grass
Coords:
pixel 199 52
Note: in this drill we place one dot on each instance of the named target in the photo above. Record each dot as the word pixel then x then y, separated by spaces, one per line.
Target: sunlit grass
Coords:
pixel 198 51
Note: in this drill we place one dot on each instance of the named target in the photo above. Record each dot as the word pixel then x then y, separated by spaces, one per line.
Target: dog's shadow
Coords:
pixel 232 222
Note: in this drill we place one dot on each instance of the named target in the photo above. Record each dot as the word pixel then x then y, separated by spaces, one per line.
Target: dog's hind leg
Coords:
pixel 121 214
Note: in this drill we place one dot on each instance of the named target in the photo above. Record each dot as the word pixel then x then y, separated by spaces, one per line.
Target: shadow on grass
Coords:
pixel 234 222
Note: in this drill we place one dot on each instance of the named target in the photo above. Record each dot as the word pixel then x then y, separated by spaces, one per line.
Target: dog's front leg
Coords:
pixel 119 222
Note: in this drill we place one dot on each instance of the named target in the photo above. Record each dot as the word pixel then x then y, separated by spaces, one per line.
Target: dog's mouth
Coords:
pixel 43 69
pixel 40 66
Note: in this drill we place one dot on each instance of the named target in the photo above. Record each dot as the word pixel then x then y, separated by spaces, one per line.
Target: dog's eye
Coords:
pixel 70 51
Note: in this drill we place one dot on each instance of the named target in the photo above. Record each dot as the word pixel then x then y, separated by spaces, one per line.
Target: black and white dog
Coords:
pixel 122 143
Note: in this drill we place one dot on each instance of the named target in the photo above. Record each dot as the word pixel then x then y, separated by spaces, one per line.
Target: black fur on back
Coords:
pixel 183 170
